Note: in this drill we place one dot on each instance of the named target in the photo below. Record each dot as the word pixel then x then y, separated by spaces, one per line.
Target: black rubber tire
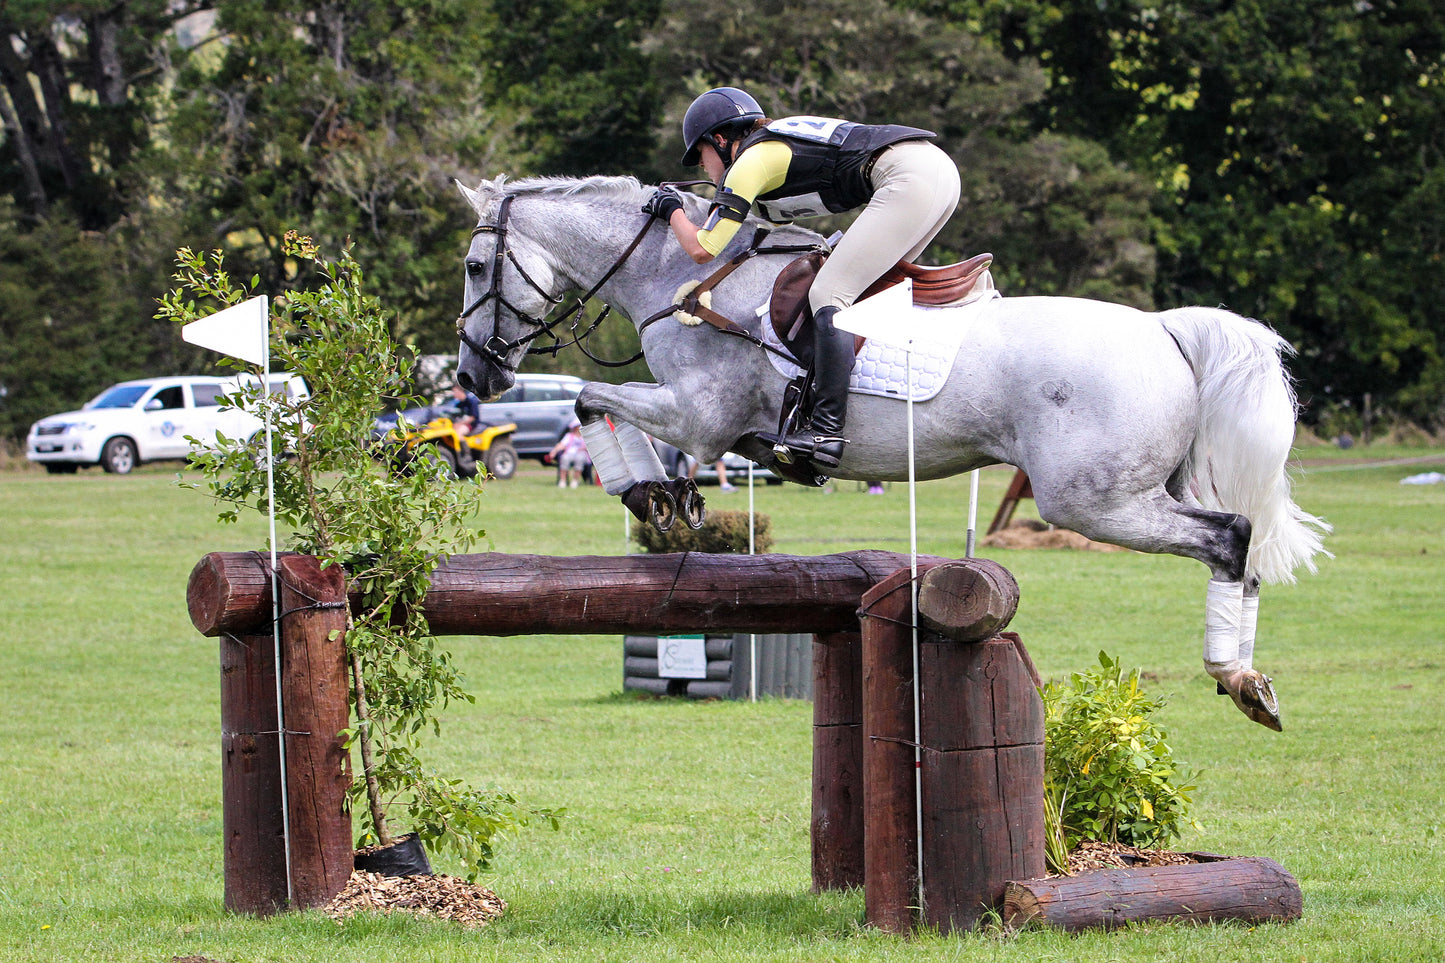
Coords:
pixel 501 460
pixel 119 456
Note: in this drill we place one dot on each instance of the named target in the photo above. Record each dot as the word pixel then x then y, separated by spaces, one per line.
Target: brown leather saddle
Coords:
pixel 934 286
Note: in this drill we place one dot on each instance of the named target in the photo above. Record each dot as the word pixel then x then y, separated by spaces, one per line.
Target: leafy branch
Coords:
pixel 387 531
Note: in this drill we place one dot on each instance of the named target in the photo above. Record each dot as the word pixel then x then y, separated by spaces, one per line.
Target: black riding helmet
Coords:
pixel 716 110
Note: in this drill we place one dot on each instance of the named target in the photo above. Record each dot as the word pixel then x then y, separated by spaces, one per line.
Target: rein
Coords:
pixel 496 349
pixel 691 302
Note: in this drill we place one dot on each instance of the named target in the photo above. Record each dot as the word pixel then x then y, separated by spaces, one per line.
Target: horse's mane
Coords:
pixel 621 189
pixel 627 189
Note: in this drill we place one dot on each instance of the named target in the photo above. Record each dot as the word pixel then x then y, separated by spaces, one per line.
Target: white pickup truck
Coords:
pixel 147 420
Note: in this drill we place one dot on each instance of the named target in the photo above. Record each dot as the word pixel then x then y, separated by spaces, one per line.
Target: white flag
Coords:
pixel 885 317
pixel 240 331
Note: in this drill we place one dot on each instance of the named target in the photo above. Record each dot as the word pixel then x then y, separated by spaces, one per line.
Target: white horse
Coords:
pixel 1164 433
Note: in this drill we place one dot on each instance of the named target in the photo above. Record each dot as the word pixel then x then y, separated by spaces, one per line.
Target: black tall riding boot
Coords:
pixel 823 442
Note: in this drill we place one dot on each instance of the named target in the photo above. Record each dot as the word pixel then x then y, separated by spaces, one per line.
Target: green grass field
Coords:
pixel 687 828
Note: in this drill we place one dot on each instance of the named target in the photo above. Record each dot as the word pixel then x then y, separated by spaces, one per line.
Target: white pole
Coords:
pixel 267 407
pixel 972 513
pixel 913 599
pixel 752 638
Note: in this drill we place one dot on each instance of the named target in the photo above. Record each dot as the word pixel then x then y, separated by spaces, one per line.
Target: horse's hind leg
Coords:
pixel 1157 523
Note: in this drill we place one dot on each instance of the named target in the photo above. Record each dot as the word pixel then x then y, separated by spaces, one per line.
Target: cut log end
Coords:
pixel 967 600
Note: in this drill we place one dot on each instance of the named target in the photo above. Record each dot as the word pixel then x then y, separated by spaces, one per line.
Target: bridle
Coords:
pixel 496 348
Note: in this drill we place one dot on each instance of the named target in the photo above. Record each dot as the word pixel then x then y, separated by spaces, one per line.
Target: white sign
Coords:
pixel 682 657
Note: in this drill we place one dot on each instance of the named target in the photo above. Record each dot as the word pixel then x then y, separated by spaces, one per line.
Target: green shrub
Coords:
pixel 1109 773
pixel 721 533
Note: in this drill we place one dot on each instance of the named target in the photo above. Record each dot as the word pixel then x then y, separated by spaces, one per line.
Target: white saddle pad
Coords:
pixel 883 369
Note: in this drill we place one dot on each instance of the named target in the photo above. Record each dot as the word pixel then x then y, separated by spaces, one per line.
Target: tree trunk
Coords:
pixel 34 188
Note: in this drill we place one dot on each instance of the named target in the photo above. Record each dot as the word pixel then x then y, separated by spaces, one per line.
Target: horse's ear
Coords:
pixel 473 197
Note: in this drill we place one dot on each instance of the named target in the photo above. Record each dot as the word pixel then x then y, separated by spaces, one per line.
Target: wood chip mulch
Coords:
pixel 1090 855
pixel 443 897
pixel 1028 533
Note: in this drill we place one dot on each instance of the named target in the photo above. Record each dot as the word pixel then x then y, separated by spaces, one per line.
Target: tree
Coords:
pixel 1296 147
pixel 349 118
pixel 588 95
pixel 1058 214
pixel 75 77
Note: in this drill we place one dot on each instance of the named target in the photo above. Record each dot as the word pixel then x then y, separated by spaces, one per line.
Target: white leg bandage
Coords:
pixel 642 460
pixel 1248 619
pixel 1222 610
pixel 607 458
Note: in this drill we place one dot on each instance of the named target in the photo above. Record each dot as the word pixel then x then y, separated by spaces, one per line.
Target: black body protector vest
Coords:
pixel 831 162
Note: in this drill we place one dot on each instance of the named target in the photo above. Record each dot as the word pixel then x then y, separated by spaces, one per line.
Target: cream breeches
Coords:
pixel 915 192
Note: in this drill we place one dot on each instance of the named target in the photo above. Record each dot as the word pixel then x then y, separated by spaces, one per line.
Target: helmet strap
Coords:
pixel 724 148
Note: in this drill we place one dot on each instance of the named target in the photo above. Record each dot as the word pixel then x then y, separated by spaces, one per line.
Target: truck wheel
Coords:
pixel 501 460
pixel 119 456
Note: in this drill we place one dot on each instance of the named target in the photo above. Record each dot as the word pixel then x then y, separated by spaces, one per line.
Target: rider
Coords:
pixel 811 167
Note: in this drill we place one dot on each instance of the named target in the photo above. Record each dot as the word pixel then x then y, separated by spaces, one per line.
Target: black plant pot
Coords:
pixel 405 857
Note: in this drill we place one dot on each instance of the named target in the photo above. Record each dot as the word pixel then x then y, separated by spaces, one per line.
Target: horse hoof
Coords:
pixel 694 508
pixel 1253 693
pixel 661 507
pixel 694 511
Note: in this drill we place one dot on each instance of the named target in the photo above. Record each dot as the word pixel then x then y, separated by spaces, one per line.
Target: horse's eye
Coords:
pixel 474 269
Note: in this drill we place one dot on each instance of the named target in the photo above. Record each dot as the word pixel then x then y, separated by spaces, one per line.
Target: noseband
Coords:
pixel 495 349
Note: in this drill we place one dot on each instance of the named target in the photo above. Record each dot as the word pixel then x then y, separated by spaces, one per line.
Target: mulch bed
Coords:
pixel 1091 855
pixel 1029 533
pixel 441 897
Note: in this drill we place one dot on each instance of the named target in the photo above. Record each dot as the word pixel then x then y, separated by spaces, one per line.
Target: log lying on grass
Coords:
pixel 1251 889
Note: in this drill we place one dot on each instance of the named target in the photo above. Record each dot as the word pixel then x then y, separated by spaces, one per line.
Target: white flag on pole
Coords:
pixel 884 317
pixel 238 331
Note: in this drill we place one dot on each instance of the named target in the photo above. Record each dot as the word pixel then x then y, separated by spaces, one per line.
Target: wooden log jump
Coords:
pixel 498 595
pixel 980 742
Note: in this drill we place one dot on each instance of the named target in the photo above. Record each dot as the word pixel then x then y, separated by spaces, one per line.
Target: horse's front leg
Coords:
pixel 623 456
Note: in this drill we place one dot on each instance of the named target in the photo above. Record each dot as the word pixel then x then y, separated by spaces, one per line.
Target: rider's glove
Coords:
pixel 663 202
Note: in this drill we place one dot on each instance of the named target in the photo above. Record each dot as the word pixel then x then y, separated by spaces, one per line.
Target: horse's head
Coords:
pixel 509 291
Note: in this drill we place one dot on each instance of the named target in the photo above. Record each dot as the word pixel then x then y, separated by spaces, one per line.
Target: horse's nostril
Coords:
pixel 465 380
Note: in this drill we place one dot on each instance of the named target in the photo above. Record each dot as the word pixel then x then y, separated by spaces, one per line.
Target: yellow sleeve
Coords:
pixel 761 168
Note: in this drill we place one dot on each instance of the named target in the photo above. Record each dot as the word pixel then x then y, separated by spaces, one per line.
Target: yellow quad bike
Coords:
pixel 439 441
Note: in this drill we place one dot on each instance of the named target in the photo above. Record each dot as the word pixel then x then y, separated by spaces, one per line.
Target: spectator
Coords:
pixel 571 456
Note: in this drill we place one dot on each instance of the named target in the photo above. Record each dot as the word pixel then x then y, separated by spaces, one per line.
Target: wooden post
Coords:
pixel 1019 488
pixel 890 831
pixel 982 749
pixel 837 824
pixel 983 777
pixel 255 855
pixel 314 699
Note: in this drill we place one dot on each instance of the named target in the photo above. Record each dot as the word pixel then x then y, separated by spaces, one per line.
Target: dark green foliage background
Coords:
pixel 1279 157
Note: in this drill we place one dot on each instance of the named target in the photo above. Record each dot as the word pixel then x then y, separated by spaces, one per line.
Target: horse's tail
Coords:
pixel 1247 413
